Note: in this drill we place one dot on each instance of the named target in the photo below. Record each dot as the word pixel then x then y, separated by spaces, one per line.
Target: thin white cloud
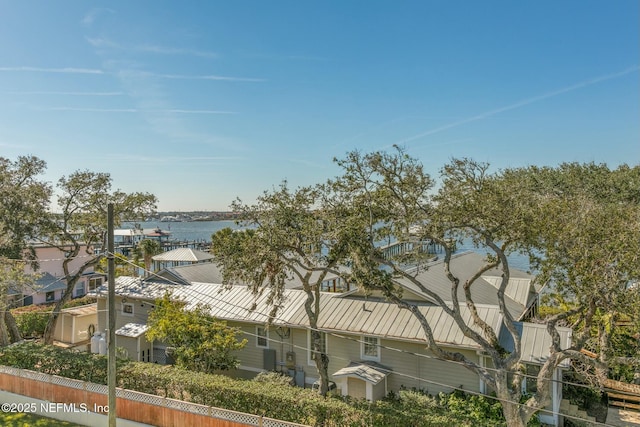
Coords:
pixel 172 159
pixel 134 110
pixel 102 42
pixel 164 50
pixel 89 18
pixel 65 93
pixel 275 57
pixel 209 77
pixel 137 74
pixel 199 111
pixel 519 104
pixel 89 110
pixel 68 70
pixel 160 50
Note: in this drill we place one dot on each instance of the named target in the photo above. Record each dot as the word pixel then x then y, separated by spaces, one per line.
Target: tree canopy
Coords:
pixel 286 239
pixel 199 341
pixel 24 199
pixel 82 224
pixel 578 223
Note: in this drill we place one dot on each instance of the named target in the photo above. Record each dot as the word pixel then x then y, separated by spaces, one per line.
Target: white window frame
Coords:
pixel 53 296
pixel 96 281
pixel 125 313
pixel 79 290
pixel 262 334
pixel 310 355
pixel 365 345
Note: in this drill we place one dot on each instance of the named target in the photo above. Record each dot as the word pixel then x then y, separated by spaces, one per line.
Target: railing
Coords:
pixel 417 247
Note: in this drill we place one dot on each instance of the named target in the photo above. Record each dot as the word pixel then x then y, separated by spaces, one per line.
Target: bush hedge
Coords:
pixel 269 396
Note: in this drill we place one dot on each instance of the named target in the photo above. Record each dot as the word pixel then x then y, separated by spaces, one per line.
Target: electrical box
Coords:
pixel 269 359
pixel 291 360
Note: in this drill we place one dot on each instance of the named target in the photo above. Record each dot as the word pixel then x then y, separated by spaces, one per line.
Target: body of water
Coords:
pixel 197 231
pixel 201 231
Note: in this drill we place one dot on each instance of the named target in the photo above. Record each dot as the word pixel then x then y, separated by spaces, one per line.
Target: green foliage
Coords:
pixel 83 200
pixel 476 410
pixel 22 419
pixel 32 319
pixel 77 302
pixel 275 378
pixel 57 361
pixel 266 396
pixel 124 266
pixel 201 342
pixel 146 249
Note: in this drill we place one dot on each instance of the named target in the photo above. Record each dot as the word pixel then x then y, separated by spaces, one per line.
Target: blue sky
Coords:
pixel 200 102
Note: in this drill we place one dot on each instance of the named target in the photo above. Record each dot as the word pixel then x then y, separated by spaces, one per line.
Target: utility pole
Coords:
pixel 111 317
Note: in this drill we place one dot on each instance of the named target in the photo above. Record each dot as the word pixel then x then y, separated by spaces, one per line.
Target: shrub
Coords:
pixel 266 396
pixel 32 319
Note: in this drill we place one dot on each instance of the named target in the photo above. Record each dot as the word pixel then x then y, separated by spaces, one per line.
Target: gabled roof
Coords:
pixel 337 314
pixel 47 283
pixel 206 272
pixel 132 330
pixel 518 296
pixel 535 342
pixel 183 255
pixel 370 372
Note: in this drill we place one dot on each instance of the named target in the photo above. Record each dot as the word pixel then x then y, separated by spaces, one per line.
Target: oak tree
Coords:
pixel 24 199
pixel 553 216
pixel 285 240
pixel 78 229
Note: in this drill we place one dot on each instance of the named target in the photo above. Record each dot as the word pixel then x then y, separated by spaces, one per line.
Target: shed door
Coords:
pixel 357 388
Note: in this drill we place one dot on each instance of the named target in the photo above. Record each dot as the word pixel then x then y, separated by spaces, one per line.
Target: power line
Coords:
pixel 447 386
pixel 268 315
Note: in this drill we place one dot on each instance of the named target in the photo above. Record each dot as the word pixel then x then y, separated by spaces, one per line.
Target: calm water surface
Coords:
pixel 202 230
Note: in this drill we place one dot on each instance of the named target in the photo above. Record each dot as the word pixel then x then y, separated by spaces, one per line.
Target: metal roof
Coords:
pixel 535 342
pixel 132 330
pixel 337 313
pixel 385 319
pixel 367 371
pixel 206 272
pixel 518 290
pixel 483 291
pixel 183 255
pixel 83 310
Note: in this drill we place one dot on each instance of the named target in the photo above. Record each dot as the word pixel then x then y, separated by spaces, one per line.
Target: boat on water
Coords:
pixel 176 218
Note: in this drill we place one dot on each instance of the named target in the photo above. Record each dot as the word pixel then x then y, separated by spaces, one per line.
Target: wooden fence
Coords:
pixel 130 405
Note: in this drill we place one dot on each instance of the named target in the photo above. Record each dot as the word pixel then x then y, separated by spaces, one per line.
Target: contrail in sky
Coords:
pixel 521 103
pixel 68 70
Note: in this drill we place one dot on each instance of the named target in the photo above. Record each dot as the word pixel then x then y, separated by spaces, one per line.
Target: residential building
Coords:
pixel 374 346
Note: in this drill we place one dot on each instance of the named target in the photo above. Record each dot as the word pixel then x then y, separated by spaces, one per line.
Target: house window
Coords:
pixel 78 291
pixel 370 348
pixel 127 309
pixel 262 337
pixel 50 296
pixel 95 283
pixel 323 347
pixel 530 384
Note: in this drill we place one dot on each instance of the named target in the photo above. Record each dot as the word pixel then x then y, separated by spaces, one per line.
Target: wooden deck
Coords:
pixel 618 417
